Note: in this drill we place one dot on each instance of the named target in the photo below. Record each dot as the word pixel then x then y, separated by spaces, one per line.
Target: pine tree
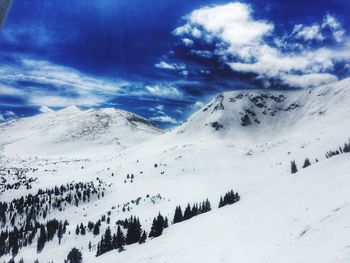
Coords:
pixel 82 229
pixel 293 167
pixel 157 226
pixel 96 231
pixel 143 237
pixel 166 222
pixel 177 215
pixel 77 230
pixel 134 231
pixel 187 213
pixel 221 203
pixel 74 256
pixel 98 252
pixel 60 233
pixel 41 239
pixel 107 240
pixel 306 163
pixel 207 206
pixel 120 238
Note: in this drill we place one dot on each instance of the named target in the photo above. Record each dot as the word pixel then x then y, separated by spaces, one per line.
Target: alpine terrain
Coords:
pixel 253 176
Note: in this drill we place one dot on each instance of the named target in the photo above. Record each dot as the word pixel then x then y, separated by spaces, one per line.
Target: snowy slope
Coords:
pixel 72 131
pixel 280 218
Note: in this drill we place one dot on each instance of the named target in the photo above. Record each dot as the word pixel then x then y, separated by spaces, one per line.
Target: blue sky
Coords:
pixel 164 59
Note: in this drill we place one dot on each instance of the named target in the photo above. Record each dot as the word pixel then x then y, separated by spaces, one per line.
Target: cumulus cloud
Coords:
pixel 170 66
pixel 335 26
pixel 250 45
pixel 187 42
pixel 164 119
pixel 308 32
pixel 164 90
pixel 232 23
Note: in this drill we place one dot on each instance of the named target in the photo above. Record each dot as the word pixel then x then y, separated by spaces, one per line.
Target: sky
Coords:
pixel 165 59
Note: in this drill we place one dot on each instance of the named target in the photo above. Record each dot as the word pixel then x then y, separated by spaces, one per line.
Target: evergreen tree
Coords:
pixel 82 229
pixel 177 215
pixel 306 163
pixel 293 167
pixel 120 238
pixel 157 226
pixel 207 206
pixel 77 230
pixel 74 256
pixel 60 233
pixel 187 213
pixel 107 241
pixel 166 222
pixel 143 237
pixel 134 231
pixel 221 202
pixel 96 231
pixel 41 239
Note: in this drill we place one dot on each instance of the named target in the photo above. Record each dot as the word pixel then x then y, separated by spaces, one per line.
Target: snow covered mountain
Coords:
pixel 76 132
pixel 241 140
pixel 267 113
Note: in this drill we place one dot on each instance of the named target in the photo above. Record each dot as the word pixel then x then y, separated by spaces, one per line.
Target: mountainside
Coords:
pixel 241 140
pixel 72 131
pixel 268 113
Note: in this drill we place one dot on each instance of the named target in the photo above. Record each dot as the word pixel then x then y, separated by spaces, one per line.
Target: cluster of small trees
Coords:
pixel 340 150
pixel 294 168
pixel 158 225
pixel 32 207
pixel 134 234
pixel 74 256
pixel 21 216
pixel 11 241
pixel 19 178
pixel 229 198
pixel 190 212
pixel 329 154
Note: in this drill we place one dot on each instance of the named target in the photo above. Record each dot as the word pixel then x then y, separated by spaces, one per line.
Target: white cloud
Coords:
pixel 335 26
pixel 60 101
pixel 170 66
pixel 10 91
pixel 65 86
pixel 308 32
pixel 187 42
pixel 167 91
pixel 249 45
pixel 309 80
pixel 232 23
pixel 160 107
pixel 202 53
pixel 165 119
